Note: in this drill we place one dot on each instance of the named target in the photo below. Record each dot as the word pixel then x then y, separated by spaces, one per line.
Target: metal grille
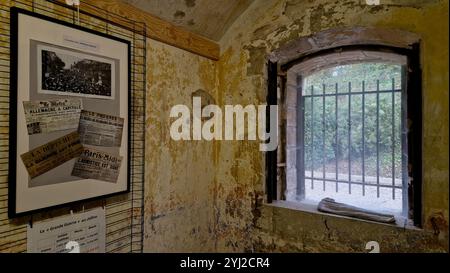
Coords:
pixel 124 213
pixel 333 117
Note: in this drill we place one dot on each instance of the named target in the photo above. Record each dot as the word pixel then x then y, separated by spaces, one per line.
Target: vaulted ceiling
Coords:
pixel 209 18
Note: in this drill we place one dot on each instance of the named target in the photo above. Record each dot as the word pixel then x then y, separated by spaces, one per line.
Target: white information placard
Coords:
pixel 81 232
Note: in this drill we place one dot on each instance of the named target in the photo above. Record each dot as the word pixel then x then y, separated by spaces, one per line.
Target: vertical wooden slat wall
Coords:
pixel 124 213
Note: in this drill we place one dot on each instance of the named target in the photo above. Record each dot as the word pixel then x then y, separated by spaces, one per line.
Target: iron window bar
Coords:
pixel 363 139
pixel 378 138
pixel 323 136
pixel 352 182
pixel 351 93
pixel 312 135
pixel 337 138
pixel 349 136
pixel 393 137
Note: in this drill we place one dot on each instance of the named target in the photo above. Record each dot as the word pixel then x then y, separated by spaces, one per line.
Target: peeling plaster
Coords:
pixel 179 181
pixel 268 25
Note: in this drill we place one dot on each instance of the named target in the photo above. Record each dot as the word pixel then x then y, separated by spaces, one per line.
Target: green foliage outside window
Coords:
pixel 320 125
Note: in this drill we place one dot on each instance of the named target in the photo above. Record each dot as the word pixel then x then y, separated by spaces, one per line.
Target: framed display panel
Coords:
pixel 69 114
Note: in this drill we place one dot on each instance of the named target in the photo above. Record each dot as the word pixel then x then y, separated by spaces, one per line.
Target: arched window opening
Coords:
pixel 346 130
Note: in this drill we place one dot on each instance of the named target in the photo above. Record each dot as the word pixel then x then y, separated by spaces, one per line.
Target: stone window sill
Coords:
pixel 311 208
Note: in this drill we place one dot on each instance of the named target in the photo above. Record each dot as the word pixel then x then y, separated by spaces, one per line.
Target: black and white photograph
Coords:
pixel 72 73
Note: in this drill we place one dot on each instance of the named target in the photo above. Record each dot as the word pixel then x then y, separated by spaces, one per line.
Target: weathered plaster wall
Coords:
pixel 242 223
pixel 179 181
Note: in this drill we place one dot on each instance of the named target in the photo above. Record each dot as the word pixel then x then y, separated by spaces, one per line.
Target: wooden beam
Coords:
pixel 161 30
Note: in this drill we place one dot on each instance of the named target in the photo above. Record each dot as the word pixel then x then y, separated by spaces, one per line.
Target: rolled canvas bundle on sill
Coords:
pixel 328 205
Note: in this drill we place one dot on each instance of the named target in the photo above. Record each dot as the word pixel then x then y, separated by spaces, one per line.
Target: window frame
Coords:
pixel 276 74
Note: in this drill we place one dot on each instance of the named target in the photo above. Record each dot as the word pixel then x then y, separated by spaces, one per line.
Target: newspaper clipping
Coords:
pixel 100 130
pixel 94 164
pixel 52 115
pixel 48 156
